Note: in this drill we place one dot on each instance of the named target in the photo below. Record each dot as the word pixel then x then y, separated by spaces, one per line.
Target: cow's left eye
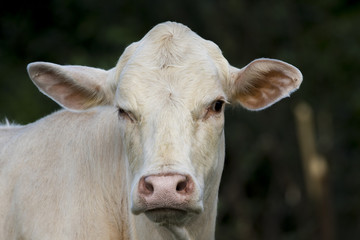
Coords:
pixel 217 106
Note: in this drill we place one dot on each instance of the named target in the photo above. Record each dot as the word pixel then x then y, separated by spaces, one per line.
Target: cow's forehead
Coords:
pixel 172 62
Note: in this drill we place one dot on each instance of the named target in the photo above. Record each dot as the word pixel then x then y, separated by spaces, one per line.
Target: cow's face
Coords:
pixel 169 90
pixel 172 114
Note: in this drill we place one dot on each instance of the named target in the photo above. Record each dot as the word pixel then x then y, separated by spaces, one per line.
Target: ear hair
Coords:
pixel 263 82
pixel 73 87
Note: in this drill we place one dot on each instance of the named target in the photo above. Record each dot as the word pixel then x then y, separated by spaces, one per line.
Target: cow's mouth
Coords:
pixel 171 216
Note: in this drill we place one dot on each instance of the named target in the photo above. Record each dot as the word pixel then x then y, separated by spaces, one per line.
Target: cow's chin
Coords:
pixel 170 216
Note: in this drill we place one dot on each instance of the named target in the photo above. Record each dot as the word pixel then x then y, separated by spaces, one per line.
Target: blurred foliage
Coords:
pixel 262 195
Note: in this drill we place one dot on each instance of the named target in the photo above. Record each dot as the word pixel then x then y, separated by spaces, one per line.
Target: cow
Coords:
pixel 137 151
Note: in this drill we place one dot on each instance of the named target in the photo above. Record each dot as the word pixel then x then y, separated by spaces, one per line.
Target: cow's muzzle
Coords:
pixel 169 198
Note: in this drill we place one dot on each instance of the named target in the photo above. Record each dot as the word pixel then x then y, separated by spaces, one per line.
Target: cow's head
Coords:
pixel 169 90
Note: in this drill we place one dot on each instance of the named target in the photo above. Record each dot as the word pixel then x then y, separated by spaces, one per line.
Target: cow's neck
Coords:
pixel 179 233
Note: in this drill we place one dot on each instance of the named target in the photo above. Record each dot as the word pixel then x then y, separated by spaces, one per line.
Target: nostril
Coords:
pixel 181 186
pixel 145 186
pixel 149 187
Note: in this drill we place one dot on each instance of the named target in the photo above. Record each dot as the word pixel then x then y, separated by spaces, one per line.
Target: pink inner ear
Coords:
pixel 264 82
pixel 73 87
pixel 69 96
pixel 64 90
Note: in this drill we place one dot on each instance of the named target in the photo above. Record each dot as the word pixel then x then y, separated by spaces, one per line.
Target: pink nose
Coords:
pixel 166 191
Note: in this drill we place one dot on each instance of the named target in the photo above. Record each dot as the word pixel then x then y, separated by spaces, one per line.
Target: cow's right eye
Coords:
pixel 126 114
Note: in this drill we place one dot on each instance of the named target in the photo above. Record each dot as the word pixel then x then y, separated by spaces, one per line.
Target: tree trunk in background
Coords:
pixel 316 172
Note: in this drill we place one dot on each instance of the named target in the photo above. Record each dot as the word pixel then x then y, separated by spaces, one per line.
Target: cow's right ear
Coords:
pixel 73 87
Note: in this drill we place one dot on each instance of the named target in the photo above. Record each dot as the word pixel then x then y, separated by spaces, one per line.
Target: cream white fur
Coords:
pixel 74 173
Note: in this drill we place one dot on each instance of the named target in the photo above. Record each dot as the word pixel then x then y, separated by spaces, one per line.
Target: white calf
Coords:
pixel 138 151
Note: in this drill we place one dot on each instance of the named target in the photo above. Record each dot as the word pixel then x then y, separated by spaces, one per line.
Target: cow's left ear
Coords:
pixel 262 83
pixel 73 87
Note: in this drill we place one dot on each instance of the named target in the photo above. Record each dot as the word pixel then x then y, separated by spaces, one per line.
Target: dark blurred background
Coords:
pixel 292 171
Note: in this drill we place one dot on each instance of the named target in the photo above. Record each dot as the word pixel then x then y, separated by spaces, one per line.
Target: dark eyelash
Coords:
pixel 125 114
pixel 121 111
